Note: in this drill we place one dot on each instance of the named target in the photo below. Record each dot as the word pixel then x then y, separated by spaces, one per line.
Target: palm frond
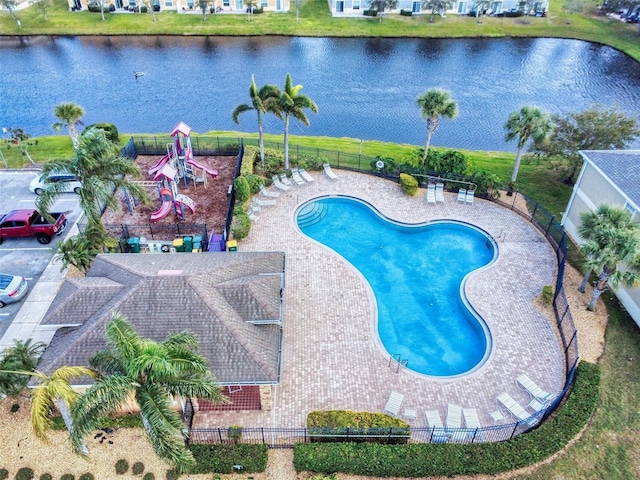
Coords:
pixel 41 407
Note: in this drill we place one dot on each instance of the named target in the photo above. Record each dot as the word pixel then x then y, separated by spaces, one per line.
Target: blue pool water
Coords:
pixel 416 272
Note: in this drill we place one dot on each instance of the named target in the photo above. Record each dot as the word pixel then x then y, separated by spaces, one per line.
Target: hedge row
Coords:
pixel 222 458
pixel 423 460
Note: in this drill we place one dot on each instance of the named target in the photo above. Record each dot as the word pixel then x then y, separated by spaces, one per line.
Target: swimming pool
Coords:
pixel 416 273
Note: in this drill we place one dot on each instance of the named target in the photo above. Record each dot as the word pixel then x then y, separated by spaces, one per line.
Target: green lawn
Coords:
pixel 315 20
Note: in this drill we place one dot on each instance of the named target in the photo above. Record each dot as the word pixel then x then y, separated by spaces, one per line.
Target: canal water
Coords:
pixel 364 88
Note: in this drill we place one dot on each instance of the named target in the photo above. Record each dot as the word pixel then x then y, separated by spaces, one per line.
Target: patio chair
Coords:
pixel 268 193
pixel 278 184
pixel 295 176
pixel 532 388
pixel 515 409
pixel 392 407
pixel 469 197
pixel 439 192
pixel 410 414
pixel 284 179
pixel 252 215
pixel 264 203
pixel 328 172
pixel 462 195
pixel 497 416
pixel 454 423
pixel 439 435
pixel 472 423
pixel 431 193
pixel 305 176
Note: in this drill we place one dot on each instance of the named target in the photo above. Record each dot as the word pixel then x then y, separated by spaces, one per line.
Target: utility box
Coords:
pixel 232 246
pixel 178 244
pixel 197 243
pixel 134 244
pixel 188 244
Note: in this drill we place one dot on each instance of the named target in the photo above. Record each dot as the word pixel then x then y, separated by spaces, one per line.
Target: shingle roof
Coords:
pixel 622 167
pixel 215 296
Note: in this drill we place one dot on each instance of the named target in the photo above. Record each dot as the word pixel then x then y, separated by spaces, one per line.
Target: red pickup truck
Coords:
pixel 29 223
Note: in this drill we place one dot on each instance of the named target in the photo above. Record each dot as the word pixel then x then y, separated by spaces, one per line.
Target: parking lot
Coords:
pixel 25 256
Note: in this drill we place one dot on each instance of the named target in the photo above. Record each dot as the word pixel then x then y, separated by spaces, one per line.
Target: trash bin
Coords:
pixel 197 243
pixel 178 244
pixel 232 246
pixel 188 244
pixel 134 244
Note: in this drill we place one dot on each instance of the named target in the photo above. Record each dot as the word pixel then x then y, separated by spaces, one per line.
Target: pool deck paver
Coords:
pixel 332 357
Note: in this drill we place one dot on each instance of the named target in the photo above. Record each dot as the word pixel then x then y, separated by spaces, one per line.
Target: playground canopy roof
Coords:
pixel 230 301
pixel 182 128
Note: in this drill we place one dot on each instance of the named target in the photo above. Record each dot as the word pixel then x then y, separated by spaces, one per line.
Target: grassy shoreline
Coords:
pixel 314 20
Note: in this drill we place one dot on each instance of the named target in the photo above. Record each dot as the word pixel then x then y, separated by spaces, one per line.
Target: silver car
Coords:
pixel 12 289
pixel 69 183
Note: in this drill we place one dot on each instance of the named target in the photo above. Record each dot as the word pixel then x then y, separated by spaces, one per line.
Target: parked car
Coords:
pixel 70 183
pixel 12 289
pixel 29 223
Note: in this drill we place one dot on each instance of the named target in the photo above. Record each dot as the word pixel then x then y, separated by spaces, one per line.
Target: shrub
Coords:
pixel 250 158
pixel 86 476
pixel 345 425
pixel 547 294
pixel 15 407
pixel 24 473
pixel 241 223
pixel 137 468
pixel 254 182
pixel 408 184
pixel 172 474
pixel 110 130
pixel 273 159
pixel 144 9
pixel 95 8
pixel 67 476
pixel 222 458
pixel 122 466
pixel 406 13
pixel 370 13
pixel 46 476
pixel 242 188
pixel 424 460
pixel 149 476
pixel 234 433
pixel 4 474
pixel 486 182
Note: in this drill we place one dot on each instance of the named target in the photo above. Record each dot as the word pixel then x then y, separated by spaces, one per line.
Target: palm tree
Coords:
pixel 69 115
pixel 153 373
pixel 292 104
pixel 22 356
pixel 262 101
pixel 435 103
pixel 54 389
pixel 102 171
pixel 611 238
pixel 529 122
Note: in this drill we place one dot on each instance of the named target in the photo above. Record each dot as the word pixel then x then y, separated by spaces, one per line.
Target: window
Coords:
pixel 226 3
pixel 462 7
pixel 168 3
pixel 264 3
pixel 631 209
pixel 356 4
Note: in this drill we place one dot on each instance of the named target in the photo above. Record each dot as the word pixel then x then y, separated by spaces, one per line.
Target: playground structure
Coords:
pixel 165 180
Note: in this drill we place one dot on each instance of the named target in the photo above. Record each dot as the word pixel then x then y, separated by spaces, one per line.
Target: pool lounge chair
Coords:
pixel 305 176
pixel 439 192
pixel 462 195
pixel 328 172
pixel 268 193
pixel 431 193
pixel 295 176
pixel 252 215
pixel 278 184
pixel 532 388
pixel 392 407
pixel 516 409
pixel 472 423
pixel 284 179
pixel 439 435
pixel 469 197
pixel 410 414
pixel 264 203
pixel 454 423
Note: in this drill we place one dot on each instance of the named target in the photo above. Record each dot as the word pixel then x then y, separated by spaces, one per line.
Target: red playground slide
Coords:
pixel 196 164
pixel 164 159
pixel 165 207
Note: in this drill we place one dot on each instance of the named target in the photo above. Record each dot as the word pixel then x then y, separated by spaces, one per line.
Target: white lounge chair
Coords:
pixel 305 176
pixel 469 197
pixel 295 176
pixel 462 195
pixel 252 215
pixel 439 192
pixel 264 203
pixel 532 388
pixel 278 184
pixel 431 193
pixel 515 409
pixel 439 435
pixel 392 407
pixel 284 179
pixel 472 423
pixel 454 423
pixel 268 193
pixel 328 172
pixel 410 413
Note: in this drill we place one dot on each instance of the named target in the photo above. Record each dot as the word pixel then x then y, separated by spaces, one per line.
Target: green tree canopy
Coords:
pixel 153 373
pixel 69 115
pixel 611 240
pixel 433 104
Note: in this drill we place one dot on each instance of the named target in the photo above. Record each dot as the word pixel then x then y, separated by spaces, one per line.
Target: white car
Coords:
pixel 70 182
pixel 13 288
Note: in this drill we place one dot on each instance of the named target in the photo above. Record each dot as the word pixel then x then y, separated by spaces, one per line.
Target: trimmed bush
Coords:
pixel 172 474
pixel 15 407
pixel 86 476
pixel 46 476
pixel 234 433
pixel 4 474
pixel 406 13
pixel 110 130
pixel 122 466
pixel 425 460
pixel 254 182
pixel 370 13
pixel 250 157
pixel 68 476
pixel 242 188
pixel 148 476
pixel 348 426
pixel 408 184
pixel 241 223
pixel 24 473
pixel 137 468
pixel 547 294
pixel 123 421
pixel 222 458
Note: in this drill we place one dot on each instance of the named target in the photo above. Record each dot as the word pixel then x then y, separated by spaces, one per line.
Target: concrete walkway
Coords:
pixel 333 358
